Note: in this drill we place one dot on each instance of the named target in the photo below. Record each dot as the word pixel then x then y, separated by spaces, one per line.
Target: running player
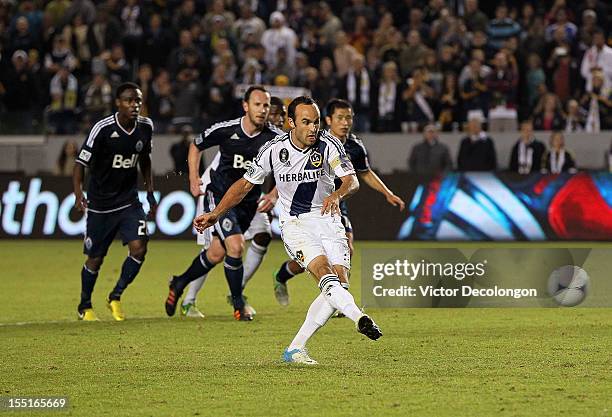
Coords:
pixel 340 121
pixel 239 141
pixel 113 149
pixel 304 163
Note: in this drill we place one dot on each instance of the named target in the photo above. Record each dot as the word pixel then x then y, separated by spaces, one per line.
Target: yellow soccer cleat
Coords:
pixel 88 315
pixel 115 308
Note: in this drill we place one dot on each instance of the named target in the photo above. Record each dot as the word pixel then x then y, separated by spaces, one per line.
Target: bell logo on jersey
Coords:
pixel 241 163
pixel 120 162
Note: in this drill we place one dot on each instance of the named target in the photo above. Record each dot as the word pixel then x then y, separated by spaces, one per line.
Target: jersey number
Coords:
pixel 142 229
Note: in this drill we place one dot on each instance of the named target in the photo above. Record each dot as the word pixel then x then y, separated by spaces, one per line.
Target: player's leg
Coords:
pixel 133 231
pixel 260 235
pixel 287 270
pixel 234 272
pixel 100 231
pixel 200 266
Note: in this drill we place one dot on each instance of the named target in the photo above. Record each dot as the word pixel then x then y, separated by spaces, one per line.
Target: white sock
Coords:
pixel 338 297
pixel 318 313
pixel 254 256
pixel 193 290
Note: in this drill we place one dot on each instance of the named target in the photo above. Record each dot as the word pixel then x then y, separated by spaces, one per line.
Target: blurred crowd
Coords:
pixel 403 64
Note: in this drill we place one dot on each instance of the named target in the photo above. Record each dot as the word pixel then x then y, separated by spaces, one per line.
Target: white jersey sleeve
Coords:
pixel 337 158
pixel 261 166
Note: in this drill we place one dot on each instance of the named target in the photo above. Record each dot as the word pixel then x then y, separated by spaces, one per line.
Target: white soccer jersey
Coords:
pixel 304 177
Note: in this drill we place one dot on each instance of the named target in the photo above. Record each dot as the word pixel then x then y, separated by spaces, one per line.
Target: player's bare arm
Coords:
pixel 77 185
pixel 374 181
pixel 234 195
pixel 193 161
pixel 331 204
pixel 147 174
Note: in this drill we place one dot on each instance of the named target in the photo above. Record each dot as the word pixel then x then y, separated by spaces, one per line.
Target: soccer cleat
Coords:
pixel 243 315
pixel 338 315
pixel 174 294
pixel 298 356
pixel 366 326
pixel 115 308
pixel 88 315
pixel 190 310
pixel 249 308
pixel 280 291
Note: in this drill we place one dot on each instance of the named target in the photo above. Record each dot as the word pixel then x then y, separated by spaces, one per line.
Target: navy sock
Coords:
pixel 284 274
pixel 129 270
pixel 234 273
pixel 200 266
pixel 88 281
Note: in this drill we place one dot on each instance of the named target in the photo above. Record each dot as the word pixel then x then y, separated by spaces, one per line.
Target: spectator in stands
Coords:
pixel 180 150
pixel 474 93
pixel 434 71
pixel 21 95
pixel 133 20
pixel 97 100
pixel 119 70
pixel 277 37
pixel 450 108
pixel 157 43
pixel 477 150
pixel 586 30
pixel 187 94
pixel 330 23
pixel 327 82
pixel 562 67
pixel 413 54
pixel 356 87
pixel 64 91
pixel 535 41
pixel 575 118
pixel 598 104
pixel 343 54
pixel 217 8
pixel 558 159
pixel 527 152
pixel 248 23
pixel 361 36
pixel 23 38
pixel 85 8
pixel 56 10
pixel 59 56
pixel 161 102
pixel 388 100
pixel 251 72
pixel 501 84
pixel 597 58
pixel 144 79
pixel 76 33
pixel 430 157
pixel 568 28
pixel 415 22
pixel 534 77
pixel 502 27
pixel 282 66
pixel 66 159
pixel 474 18
pixel 548 114
pixel 104 32
pixel 358 8
pixel 466 71
pixel 185 16
pixel 419 100
pixel 177 55
pixel 218 99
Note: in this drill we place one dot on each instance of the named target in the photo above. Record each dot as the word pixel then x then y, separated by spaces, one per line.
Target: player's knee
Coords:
pixel 262 239
pixel 234 247
pixel 215 256
pixel 138 252
pixel 94 264
pixel 295 268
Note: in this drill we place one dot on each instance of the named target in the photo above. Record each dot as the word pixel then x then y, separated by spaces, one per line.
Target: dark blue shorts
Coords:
pixel 235 221
pixel 346 222
pixel 102 228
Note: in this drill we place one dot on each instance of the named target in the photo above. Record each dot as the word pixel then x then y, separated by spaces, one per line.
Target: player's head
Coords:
pixel 526 130
pixel 339 117
pixel 128 100
pixel 304 119
pixel 278 112
pixel 557 140
pixel 256 105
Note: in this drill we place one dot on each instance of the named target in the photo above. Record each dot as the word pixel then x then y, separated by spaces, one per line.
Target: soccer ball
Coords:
pixel 568 285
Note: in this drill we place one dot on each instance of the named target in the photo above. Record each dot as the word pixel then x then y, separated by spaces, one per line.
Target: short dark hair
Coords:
pixel 249 91
pixel 296 102
pixel 126 86
pixel 336 103
pixel 278 102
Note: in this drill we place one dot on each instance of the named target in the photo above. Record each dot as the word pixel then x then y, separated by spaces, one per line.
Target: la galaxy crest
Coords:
pixel 316 159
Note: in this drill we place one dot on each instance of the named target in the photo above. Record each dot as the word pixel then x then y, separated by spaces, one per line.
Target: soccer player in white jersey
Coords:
pixel 305 162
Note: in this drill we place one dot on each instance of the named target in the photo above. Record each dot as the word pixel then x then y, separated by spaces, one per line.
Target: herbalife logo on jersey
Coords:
pixel 120 162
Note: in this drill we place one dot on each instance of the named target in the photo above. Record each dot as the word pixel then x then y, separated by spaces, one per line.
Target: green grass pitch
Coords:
pixel 446 362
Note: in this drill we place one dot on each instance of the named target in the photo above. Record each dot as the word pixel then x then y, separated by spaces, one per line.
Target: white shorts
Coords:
pixel 313 235
pixel 259 224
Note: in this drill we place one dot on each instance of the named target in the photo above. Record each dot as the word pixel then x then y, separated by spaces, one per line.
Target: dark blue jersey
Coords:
pixel 358 155
pixel 111 154
pixel 237 153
